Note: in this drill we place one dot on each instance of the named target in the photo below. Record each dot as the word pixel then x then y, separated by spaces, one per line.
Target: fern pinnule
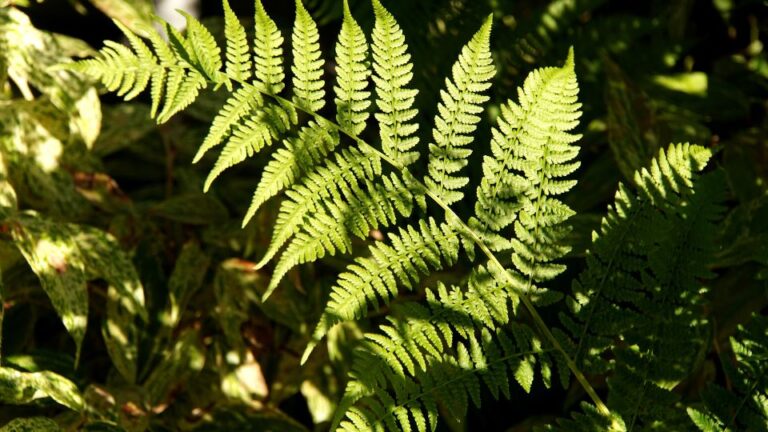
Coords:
pixel 329 229
pixel 327 181
pixel 184 80
pixel 181 90
pixel 352 72
pixel 374 280
pixel 201 44
pixel 243 101
pixel 307 68
pixel 392 73
pixel 261 128
pixel 296 157
pixel 167 59
pixel 461 102
pixel 143 74
pixel 268 51
pixel 238 60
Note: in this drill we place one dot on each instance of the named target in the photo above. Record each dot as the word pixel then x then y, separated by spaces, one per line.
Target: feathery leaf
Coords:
pixel 259 129
pixel 268 51
pixel 307 66
pixel 461 102
pixel 392 73
pixel 352 71
pixel 238 66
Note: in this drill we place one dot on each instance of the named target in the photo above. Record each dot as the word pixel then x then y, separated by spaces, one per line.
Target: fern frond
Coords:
pixel 329 230
pixel 243 101
pixel 374 280
pixel 392 72
pixel 617 252
pixel 175 74
pixel 352 71
pixel 461 102
pixel 643 285
pixel 307 66
pixel 268 51
pixel 543 153
pixel 167 59
pixel 238 65
pixel 745 406
pixel 349 167
pixel 181 89
pixel 590 421
pixel 260 129
pixel 203 48
pixel 121 70
pixel 442 354
pixel 297 157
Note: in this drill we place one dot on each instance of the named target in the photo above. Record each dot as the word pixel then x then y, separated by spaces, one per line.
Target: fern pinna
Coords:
pixel 336 186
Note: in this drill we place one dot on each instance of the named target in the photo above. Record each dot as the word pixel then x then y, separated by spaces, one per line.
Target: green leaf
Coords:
pixel 392 72
pixel 187 277
pixel 51 253
pixel 307 66
pixel 238 57
pixel 24 387
pixel 268 51
pixel 352 71
pixel 180 363
pixel 64 257
pixel 31 424
pixel 458 114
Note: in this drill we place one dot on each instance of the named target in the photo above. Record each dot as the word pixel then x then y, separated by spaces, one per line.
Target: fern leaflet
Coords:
pixel 375 279
pixel 392 73
pixel 352 73
pixel 243 101
pixel 307 64
pixel 298 156
pixel 260 129
pixel 237 55
pixel 268 51
pixel 457 117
